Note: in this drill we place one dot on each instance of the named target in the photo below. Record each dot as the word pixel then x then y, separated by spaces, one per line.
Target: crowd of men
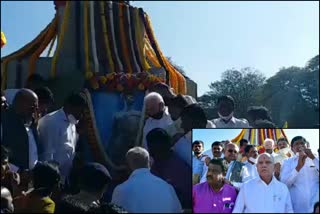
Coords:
pixel 228 179
pixel 43 169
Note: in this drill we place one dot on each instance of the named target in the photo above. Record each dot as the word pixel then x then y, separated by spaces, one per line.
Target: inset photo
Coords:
pixel 255 170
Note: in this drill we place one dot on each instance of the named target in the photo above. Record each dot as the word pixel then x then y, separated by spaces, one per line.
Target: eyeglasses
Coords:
pixel 232 151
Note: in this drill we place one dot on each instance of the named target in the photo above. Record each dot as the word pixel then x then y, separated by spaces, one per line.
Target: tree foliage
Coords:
pixel 291 94
pixel 240 84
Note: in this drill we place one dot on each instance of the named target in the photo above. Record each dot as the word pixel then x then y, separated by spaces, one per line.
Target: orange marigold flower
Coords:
pixel 141 87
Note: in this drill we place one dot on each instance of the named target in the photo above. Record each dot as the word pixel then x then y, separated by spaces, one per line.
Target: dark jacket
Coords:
pixel 15 138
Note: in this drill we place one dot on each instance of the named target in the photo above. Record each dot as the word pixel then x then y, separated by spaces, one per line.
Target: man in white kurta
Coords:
pixel 264 194
pixel 144 192
pixel 159 116
pixel 225 112
pixel 301 174
pixel 252 154
pixel 57 132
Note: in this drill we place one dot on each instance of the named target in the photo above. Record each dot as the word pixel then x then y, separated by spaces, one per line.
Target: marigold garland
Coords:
pixel 122 82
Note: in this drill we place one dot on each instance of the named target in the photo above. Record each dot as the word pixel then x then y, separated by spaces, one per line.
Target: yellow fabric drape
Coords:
pixel 3 39
pixel 239 137
pixel 17 54
pixel 253 136
pixel 140 39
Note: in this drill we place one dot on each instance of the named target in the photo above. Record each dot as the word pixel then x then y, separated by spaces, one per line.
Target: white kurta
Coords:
pixel 151 123
pixel 252 170
pixel 256 196
pixel 303 185
pixel 143 192
pixel 232 123
pixel 59 139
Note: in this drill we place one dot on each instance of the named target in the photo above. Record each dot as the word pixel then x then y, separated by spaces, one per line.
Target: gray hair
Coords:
pixel 138 157
pixel 268 140
pixel 153 96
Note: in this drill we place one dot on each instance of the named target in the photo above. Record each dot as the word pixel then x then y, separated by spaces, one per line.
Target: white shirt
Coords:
pixel 256 196
pixel 183 148
pixel 303 185
pixel 252 170
pixel 152 123
pixel 210 124
pixel 145 192
pixel 33 150
pixel 59 138
pixel 232 123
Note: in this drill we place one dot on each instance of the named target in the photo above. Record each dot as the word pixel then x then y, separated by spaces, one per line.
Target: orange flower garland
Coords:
pixel 121 82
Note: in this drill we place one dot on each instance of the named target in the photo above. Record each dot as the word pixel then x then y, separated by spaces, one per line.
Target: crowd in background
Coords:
pixel 44 168
pixel 228 179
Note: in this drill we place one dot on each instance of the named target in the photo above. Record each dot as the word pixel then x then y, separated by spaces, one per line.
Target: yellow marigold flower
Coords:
pixel 103 79
pixel 89 75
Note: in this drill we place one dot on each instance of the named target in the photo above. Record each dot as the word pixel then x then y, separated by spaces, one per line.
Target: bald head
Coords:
pixel 154 104
pixel 265 166
pixel 25 103
pixel 6 200
pixel 137 158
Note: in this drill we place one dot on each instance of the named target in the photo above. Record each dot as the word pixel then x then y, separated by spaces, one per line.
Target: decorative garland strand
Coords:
pixel 110 8
pixel 93 38
pixel 19 53
pixel 140 40
pixel 60 40
pixel 130 35
pixel 49 36
pixel 94 136
pixel 123 44
pixel 105 35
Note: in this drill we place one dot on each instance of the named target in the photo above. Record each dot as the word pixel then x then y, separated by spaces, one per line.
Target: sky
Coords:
pixel 205 38
pixel 208 136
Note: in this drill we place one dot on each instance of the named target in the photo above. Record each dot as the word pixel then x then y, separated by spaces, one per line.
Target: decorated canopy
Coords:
pixel 257 136
pixel 3 39
pixel 101 39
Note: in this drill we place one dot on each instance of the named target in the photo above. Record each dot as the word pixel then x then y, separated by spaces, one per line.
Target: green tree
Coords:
pixel 292 95
pixel 241 84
